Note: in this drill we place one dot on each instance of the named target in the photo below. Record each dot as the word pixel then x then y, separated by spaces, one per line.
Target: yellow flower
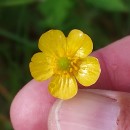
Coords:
pixel 65 59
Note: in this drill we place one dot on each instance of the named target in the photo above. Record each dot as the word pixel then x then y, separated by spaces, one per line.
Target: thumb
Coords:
pixel 92 110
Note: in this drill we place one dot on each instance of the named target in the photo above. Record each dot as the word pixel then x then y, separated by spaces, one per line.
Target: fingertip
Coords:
pixel 115 71
pixel 84 112
pixel 92 109
pixel 30 107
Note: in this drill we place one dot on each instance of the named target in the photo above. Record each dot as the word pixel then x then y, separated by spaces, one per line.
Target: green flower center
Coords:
pixel 64 63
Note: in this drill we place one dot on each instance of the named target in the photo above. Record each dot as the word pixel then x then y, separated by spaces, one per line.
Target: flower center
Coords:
pixel 64 63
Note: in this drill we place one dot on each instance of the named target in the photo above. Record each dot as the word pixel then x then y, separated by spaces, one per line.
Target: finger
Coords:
pixel 30 107
pixel 92 111
pixel 115 66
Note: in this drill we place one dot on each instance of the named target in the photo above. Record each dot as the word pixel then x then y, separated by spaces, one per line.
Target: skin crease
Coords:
pixel 31 106
pixel 124 116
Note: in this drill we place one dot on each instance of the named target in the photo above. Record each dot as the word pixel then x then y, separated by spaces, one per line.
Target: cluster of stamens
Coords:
pixel 66 65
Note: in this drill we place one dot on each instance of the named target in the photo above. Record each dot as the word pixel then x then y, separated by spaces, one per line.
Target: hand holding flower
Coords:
pixel 95 109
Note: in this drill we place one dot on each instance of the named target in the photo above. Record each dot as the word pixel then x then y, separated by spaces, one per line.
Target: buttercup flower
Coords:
pixel 65 60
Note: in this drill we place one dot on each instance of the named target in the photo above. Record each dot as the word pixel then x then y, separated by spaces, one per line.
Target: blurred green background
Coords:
pixel 23 21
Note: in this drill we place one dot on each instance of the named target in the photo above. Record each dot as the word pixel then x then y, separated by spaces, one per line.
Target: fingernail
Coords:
pixel 86 111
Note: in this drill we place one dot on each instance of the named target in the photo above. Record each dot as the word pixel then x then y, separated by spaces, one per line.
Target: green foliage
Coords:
pixel 23 21
pixel 55 11
pixel 15 2
pixel 109 5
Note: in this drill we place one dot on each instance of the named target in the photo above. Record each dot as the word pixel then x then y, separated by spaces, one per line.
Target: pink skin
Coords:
pixel 30 108
pixel 115 66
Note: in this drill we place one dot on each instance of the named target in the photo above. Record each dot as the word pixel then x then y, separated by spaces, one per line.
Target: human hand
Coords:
pixel 90 109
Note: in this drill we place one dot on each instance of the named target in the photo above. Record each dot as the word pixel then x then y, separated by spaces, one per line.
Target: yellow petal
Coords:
pixel 89 71
pixel 53 42
pixel 40 67
pixel 78 44
pixel 63 87
pixel 86 47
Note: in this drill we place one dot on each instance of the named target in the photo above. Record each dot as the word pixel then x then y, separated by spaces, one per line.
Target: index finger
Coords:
pixel 115 66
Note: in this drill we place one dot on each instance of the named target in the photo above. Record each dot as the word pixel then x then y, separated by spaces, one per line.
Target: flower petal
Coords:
pixel 89 71
pixel 40 67
pixel 53 42
pixel 79 44
pixel 63 87
pixel 86 47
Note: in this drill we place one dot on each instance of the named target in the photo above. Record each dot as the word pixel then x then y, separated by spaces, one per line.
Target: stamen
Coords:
pixel 71 70
pixel 75 67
